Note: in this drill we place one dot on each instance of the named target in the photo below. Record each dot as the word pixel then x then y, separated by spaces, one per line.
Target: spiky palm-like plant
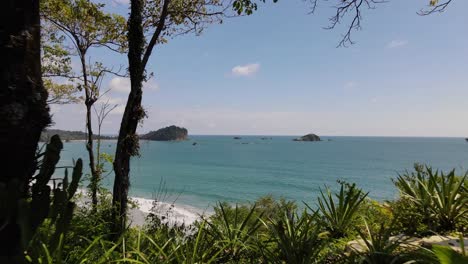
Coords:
pixel 338 211
pixel 295 239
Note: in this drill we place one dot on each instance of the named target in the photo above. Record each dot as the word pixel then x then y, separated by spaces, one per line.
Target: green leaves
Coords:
pixel 337 214
pixel 296 239
pixel 446 255
pixel 246 7
pixel 441 198
pixel 69 29
pixel 234 229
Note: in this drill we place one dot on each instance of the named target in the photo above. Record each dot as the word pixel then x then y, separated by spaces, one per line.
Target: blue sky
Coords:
pixel 278 72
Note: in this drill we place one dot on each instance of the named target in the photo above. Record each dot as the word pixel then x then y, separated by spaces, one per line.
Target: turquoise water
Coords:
pixel 221 168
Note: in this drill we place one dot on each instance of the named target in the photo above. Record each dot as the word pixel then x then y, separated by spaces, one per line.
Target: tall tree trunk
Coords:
pixel 89 101
pixel 23 112
pixel 127 144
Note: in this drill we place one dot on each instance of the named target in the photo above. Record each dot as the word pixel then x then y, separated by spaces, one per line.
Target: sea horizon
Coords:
pixel 220 168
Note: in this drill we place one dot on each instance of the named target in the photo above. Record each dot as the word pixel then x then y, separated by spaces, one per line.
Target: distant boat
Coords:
pixel 466 139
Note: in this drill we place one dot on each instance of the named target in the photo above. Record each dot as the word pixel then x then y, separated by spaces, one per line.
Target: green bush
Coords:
pixel 440 199
pixel 337 212
pixel 236 230
pixel 295 239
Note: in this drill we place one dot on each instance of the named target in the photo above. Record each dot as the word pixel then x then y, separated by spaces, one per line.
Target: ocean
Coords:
pixel 220 168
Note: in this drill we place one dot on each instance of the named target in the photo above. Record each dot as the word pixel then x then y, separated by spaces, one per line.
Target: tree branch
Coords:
pixel 435 8
pixel 157 33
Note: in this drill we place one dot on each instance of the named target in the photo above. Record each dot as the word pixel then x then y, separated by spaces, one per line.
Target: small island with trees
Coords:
pixel 70 135
pixel 308 137
pixel 170 133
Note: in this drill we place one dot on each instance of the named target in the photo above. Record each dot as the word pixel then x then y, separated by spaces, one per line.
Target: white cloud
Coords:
pixel 245 70
pixel 350 85
pixel 122 85
pixel 397 43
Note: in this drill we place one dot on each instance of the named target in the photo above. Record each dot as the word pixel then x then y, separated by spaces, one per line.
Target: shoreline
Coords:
pixel 171 213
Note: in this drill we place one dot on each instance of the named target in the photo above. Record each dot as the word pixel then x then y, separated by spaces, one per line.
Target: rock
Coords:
pixel 237 138
pixel 359 245
pixel 308 137
pixel 171 133
pixel 194 143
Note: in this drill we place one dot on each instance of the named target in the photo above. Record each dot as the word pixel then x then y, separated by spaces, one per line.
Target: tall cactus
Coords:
pixel 45 202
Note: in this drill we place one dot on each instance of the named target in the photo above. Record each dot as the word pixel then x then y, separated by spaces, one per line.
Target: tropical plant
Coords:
pixel 441 198
pixel 235 229
pixel 446 255
pixel 379 247
pixel 294 239
pixel 337 212
pixel 408 218
pixel 50 207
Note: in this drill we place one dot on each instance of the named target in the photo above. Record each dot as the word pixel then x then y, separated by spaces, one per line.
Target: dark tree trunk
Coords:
pixel 127 144
pixel 89 101
pixel 23 111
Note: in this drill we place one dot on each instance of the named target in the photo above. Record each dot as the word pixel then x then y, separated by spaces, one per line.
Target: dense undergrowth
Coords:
pixel 279 231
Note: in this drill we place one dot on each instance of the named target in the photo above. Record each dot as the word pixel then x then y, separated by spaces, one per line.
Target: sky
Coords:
pixel 279 72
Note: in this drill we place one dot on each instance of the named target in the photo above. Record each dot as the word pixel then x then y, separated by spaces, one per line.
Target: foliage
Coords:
pixel 235 229
pixel 49 208
pixel 57 72
pixel 375 214
pixel 67 135
pixel 295 239
pixel 381 248
pixel 408 219
pixel 267 231
pixel 446 255
pixel 337 215
pixel 246 6
pixel 440 198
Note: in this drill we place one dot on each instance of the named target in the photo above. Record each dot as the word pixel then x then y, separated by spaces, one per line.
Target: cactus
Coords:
pixel 45 202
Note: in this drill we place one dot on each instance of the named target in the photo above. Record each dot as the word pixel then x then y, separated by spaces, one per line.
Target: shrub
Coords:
pixel 235 230
pixel 408 218
pixel 337 214
pixel 440 198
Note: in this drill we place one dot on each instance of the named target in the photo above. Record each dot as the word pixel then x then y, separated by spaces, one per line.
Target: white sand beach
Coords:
pixel 172 213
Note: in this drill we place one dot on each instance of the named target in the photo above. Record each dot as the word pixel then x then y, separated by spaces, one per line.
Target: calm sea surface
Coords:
pixel 222 168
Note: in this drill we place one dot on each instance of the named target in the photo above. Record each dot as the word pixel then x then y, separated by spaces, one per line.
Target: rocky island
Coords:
pixel 170 133
pixel 308 137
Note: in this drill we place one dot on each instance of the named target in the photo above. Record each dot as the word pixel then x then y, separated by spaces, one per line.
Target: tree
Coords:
pixel 23 113
pixel 150 23
pixel 57 72
pixel 85 25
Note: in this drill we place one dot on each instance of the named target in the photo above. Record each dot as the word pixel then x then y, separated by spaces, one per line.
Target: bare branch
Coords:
pixel 345 8
pixel 435 8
